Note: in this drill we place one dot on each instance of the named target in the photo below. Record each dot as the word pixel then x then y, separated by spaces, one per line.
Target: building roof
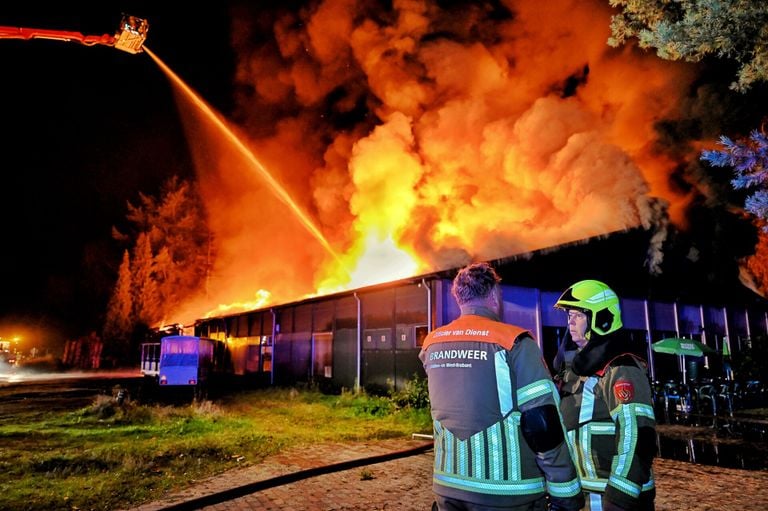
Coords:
pixel 620 259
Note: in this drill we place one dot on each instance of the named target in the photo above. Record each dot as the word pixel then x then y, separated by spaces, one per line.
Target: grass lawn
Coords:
pixel 106 456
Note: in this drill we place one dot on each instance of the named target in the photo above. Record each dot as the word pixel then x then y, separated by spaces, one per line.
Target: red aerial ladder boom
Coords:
pixel 129 36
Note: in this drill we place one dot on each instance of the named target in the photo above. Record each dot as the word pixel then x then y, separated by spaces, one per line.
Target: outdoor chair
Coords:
pixel 678 401
pixel 706 402
pixel 728 397
pixel 660 402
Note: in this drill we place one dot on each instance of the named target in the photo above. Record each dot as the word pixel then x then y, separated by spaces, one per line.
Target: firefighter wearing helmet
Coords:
pixel 605 402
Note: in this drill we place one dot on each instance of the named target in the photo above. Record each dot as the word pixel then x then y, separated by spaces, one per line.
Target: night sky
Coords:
pixel 88 128
pixel 85 130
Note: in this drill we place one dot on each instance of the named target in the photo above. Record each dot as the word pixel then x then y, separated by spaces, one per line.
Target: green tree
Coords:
pixel 119 320
pixel 749 161
pixel 693 29
pixel 735 30
pixel 180 240
pixel 169 240
pixel 146 302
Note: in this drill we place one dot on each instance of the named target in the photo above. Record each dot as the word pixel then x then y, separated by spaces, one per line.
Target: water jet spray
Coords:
pixel 280 192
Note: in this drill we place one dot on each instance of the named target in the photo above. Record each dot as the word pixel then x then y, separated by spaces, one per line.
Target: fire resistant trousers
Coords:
pixel 447 504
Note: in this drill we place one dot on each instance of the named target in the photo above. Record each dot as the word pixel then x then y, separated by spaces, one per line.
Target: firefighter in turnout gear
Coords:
pixel 499 440
pixel 605 402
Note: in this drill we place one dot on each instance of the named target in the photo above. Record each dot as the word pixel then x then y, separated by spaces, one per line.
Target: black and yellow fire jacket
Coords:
pixel 607 408
pixel 492 396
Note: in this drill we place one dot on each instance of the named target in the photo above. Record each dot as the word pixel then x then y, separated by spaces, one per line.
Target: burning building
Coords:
pixel 398 141
pixel 371 336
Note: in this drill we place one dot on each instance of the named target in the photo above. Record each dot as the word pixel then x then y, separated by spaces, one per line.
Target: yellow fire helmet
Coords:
pixel 598 300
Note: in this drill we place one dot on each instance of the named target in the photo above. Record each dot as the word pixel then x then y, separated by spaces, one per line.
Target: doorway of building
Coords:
pixel 322 355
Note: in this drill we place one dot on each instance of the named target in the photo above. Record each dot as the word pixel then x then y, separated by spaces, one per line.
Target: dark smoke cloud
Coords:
pixel 449 131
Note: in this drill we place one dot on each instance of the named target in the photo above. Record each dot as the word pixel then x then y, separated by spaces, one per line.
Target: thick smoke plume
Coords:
pixel 426 134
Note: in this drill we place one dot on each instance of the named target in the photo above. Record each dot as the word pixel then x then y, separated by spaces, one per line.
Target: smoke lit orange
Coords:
pixel 466 136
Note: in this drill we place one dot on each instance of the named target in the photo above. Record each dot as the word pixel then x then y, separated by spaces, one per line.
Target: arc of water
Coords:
pixel 276 187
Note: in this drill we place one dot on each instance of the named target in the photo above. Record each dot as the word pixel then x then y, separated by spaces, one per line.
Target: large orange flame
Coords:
pixel 422 138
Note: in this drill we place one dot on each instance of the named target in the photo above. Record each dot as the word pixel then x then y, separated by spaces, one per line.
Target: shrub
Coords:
pixel 414 395
pixel 103 407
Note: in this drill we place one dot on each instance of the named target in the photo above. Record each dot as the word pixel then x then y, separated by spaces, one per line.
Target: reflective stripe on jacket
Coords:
pixel 482 375
pixel 603 415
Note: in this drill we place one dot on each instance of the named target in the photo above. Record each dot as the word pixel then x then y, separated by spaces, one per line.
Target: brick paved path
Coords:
pixel 405 484
pixel 400 484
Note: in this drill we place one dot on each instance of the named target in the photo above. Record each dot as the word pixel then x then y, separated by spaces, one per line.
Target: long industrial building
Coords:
pixel 370 337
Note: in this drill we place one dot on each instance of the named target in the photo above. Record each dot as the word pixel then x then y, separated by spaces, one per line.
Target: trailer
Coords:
pixel 180 362
pixel 150 359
